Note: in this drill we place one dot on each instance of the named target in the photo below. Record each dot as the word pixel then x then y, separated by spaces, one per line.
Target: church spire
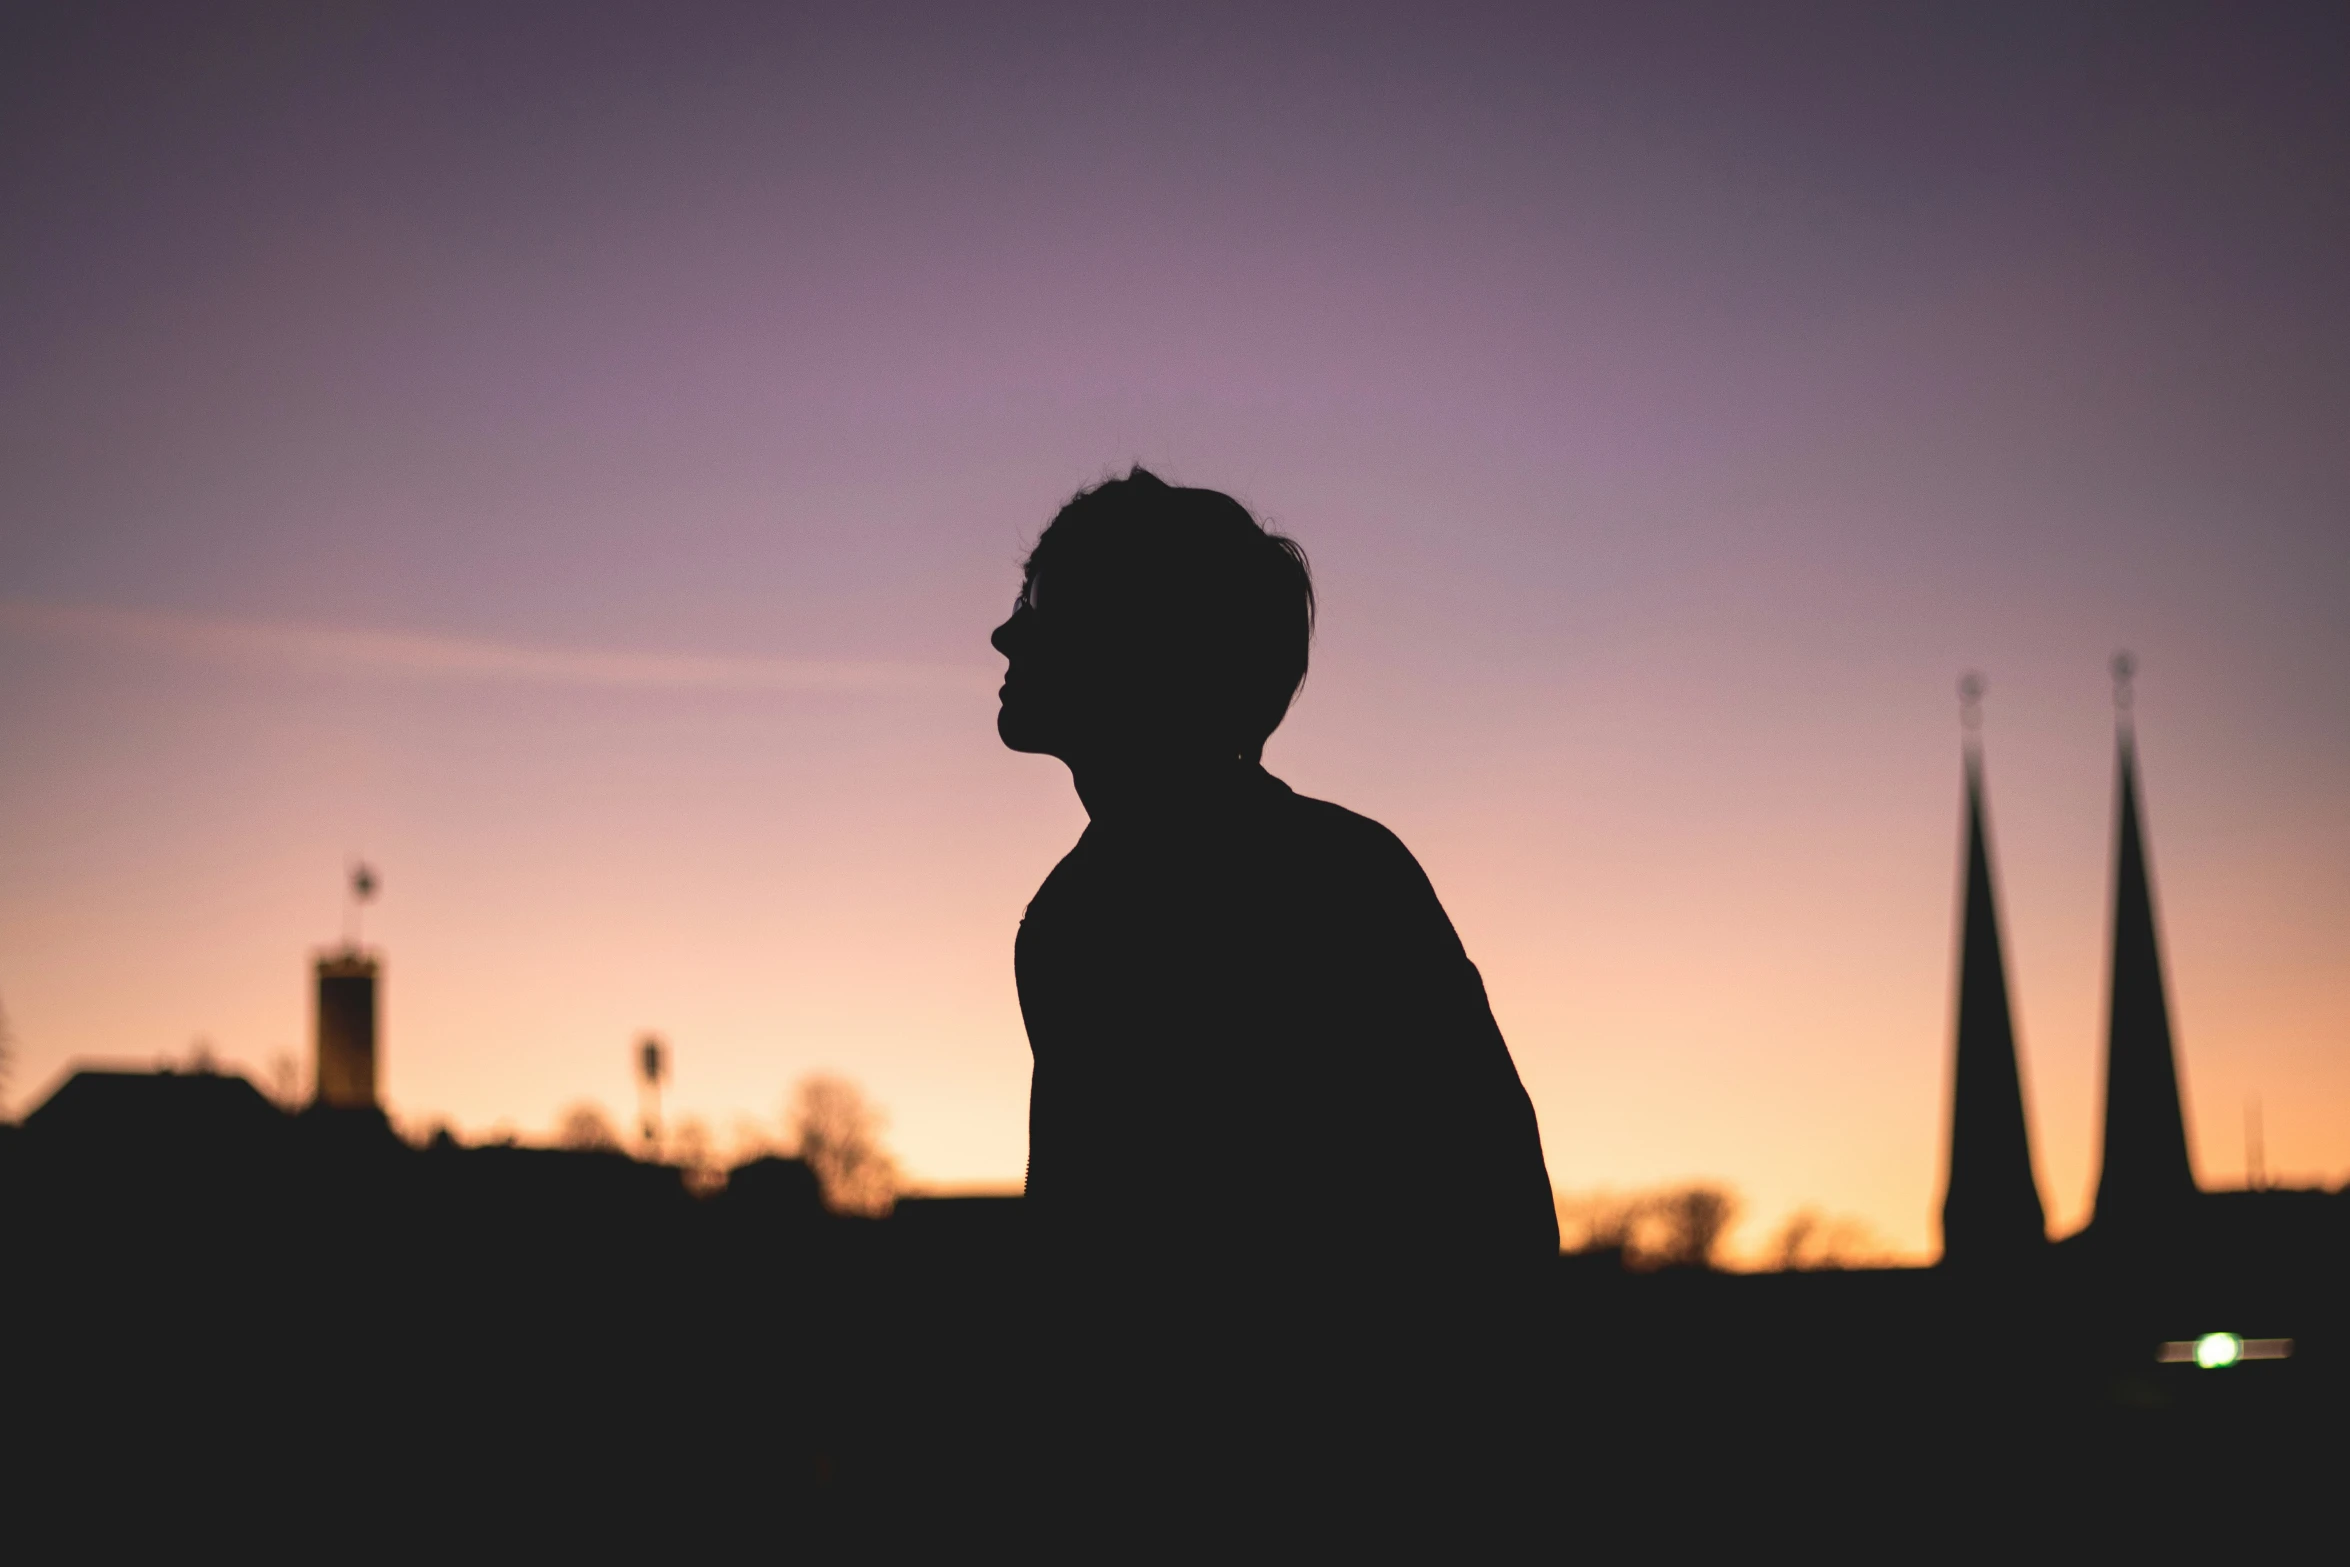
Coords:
pixel 2146 1171
pixel 1991 1209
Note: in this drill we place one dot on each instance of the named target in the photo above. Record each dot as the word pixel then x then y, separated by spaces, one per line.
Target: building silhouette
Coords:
pixel 2147 1196
pixel 2150 1220
pixel 174 1120
pixel 2146 1179
pixel 1991 1210
pixel 346 1015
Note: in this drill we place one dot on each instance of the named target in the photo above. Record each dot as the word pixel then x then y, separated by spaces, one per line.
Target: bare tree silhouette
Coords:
pixel 694 1153
pixel 1598 1221
pixel 586 1129
pixel 1664 1227
pixel 1797 1239
pixel 1688 1224
pixel 285 1080
pixel 1810 1241
pixel 839 1134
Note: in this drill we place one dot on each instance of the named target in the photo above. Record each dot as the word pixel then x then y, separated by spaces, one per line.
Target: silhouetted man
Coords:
pixel 1277 1146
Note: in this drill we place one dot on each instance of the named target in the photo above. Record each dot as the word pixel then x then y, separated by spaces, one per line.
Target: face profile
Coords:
pixel 1157 626
pixel 1039 709
pixel 1077 690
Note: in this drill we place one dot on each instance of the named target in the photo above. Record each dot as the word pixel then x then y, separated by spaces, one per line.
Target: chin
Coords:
pixel 1018 734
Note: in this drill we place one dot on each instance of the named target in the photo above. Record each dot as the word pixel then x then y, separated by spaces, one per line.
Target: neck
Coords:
pixel 1119 787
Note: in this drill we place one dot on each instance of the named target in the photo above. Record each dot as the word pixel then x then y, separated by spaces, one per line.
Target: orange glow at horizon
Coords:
pixel 1716 929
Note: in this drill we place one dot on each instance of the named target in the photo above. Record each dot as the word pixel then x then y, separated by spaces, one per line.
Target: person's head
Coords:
pixel 1154 621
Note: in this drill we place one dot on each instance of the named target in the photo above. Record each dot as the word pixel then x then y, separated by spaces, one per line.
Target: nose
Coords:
pixel 1006 637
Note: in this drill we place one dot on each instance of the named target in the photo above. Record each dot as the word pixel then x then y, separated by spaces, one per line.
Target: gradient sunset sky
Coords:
pixel 572 455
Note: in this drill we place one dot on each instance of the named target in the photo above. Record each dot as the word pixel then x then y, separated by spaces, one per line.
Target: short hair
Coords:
pixel 1190 575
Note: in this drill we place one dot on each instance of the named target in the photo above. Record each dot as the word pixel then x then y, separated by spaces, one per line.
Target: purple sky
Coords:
pixel 505 440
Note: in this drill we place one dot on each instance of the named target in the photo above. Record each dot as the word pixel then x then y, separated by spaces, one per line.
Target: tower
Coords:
pixel 346 1010
pixel 2146 1174
pixel 1991 1210
pixel 346 1029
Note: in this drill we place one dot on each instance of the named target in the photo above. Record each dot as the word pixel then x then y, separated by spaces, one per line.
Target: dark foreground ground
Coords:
pixel 343 1345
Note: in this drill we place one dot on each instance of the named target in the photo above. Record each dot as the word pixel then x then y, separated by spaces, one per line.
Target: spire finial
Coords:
pixel 2124 667
pixel 1970 702
pixel 364 883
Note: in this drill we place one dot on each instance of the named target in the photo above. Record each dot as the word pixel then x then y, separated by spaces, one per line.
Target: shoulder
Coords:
pixel 1338 825
pixel 1353 878
pixel 1350 842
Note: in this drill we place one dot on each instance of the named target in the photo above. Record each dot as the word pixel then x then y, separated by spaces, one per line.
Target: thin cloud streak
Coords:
pixel 464 658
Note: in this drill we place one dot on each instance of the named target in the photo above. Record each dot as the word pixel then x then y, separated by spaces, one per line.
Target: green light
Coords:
pixel 2214 1350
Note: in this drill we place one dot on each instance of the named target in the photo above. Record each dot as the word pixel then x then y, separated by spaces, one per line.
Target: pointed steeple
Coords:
pixel 2146 1174
pixel 1991 1211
